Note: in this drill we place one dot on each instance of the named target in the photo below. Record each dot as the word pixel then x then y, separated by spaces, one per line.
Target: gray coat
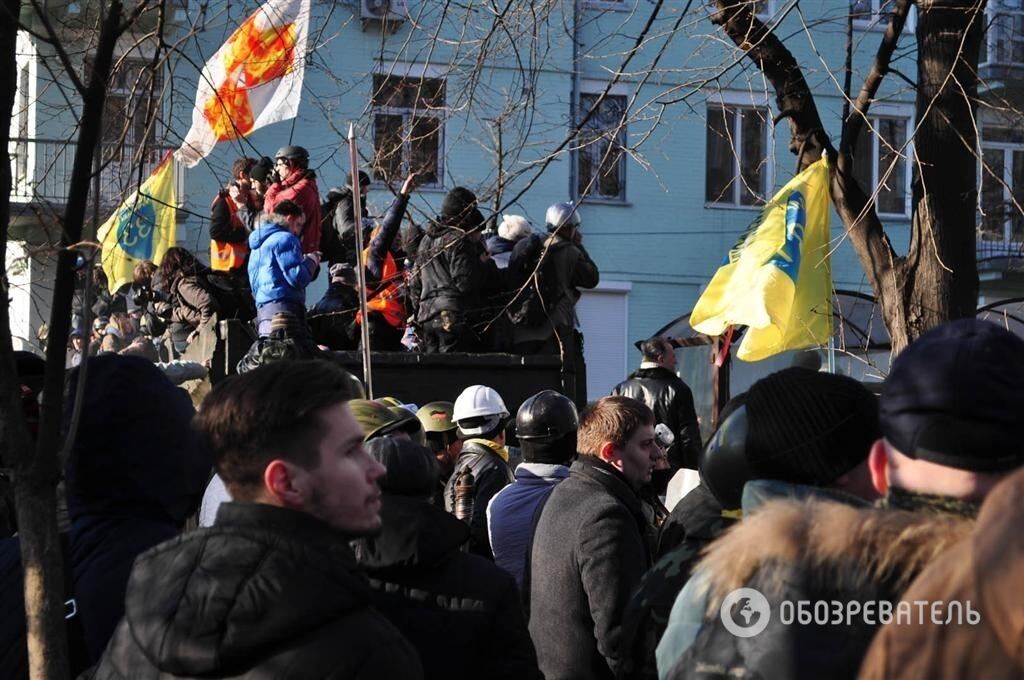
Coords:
pixel 587 558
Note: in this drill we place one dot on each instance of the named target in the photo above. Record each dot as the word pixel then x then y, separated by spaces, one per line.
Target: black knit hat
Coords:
pixel 808 427
pixel 459 209
pixel 955 397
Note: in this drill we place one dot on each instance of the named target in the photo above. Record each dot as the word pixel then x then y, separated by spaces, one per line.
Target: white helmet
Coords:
pixel 483 406
pixel 560 214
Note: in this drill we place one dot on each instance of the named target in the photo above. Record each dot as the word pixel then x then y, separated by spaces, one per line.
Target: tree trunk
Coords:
pixel 938 279
pixel 35 480
pixel 36 468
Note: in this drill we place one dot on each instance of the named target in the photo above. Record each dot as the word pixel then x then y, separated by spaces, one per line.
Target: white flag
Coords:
pixel 254 79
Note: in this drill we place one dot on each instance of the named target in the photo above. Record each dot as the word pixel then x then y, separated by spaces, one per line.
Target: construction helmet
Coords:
pixel 479 409
pixel 546 416
pixel 436 416
pixel 292 153
pixel 374 417
pixel 561 214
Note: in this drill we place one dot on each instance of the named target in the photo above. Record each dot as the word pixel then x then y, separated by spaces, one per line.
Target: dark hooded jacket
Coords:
pixel 136 472
pixel 452 274
pixel 672 403
pixel 265 592
pixel 460 611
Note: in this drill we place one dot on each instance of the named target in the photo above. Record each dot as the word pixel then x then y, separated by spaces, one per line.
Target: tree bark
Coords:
pixel 937 280
pixel 36 468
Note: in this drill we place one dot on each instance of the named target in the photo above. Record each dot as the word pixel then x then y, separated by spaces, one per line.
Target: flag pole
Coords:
pixel 357 210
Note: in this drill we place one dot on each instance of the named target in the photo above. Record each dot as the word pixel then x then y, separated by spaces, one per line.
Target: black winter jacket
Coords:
pixel 265 592
pixel 332 318
pixel 587 558
pixel 566 268
pixel 672 403
pixel 451 274
pixel 460 611
pixel 491 474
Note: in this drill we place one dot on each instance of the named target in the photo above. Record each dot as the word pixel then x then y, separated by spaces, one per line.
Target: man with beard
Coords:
pixel 272 588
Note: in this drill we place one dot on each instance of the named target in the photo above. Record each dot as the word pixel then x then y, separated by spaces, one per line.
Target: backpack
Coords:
pixel 337 228
pixel 531 306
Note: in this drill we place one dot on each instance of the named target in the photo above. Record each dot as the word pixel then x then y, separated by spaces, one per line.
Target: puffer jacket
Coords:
pixel 672 402
pixel 460 611
pixel 299 187
pixel 278 272
pixel 265 592
pixel 452 274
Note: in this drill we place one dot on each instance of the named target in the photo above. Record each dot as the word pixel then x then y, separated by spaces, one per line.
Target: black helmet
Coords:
pixel 292 153
pixel 545 417
pixel 723 463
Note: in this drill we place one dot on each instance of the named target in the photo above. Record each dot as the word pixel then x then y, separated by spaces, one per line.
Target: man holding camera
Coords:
pixel 297 183
pixel 228 229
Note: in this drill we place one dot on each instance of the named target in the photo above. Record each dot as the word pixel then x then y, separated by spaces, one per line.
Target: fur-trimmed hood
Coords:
pixel 828 541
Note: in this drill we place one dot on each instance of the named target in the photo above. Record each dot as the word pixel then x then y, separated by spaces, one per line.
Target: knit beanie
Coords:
pixel 807 427
pixel 459 208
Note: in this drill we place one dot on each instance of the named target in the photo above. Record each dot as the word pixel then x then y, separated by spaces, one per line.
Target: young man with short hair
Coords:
pixel 272 588
pixel 589 549
pixel 278 271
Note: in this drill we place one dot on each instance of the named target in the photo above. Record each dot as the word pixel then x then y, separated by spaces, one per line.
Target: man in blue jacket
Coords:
pixel 546 427
pixel 278 271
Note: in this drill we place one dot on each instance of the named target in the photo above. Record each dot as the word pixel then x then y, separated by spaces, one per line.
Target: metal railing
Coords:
pixel 41 170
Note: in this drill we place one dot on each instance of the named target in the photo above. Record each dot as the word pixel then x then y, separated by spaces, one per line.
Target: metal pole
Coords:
pixel 357 209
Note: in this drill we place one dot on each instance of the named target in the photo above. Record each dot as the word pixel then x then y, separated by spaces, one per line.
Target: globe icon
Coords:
pixel 745 612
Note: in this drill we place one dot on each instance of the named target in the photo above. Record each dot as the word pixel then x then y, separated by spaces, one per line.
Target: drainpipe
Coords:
pixel 574 100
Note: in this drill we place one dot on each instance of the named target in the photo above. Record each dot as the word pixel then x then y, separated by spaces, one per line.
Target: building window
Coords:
pixel 601 155
pixel 880 161
pixel 1002 185
pixel 131 110
pixel 408 128
pixel 1004 33
pixel 736 166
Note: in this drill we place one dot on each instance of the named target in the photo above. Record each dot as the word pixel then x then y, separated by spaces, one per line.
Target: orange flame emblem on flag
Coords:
pixel 253 57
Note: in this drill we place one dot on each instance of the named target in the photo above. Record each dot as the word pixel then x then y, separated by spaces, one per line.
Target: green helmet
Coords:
pixel 389 401
pixel 373 416
pixel 437 416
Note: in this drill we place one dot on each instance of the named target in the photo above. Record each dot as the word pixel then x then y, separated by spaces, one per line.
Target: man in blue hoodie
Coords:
pixel 546 427
pixel 278 271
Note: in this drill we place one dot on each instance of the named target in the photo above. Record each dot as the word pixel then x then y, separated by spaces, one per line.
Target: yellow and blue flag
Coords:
pixel 777 279
pixel 143 228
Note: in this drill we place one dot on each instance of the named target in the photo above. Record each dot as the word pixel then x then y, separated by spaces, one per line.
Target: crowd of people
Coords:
pixel 294 528
pixel 460 283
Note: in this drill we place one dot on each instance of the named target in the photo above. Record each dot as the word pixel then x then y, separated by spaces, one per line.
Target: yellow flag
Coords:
pixel 777 279
pixel 143 228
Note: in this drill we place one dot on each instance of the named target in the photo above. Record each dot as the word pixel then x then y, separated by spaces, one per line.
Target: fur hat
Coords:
pixel 514 227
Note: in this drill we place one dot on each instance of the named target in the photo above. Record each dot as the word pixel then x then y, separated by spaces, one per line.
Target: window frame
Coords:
pixel 738 101
pixel 891 112
pixel 408 115
pixel 988 36
pixel 877 22
pixel 1007 148
pixel 612 5
pixel 594 89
